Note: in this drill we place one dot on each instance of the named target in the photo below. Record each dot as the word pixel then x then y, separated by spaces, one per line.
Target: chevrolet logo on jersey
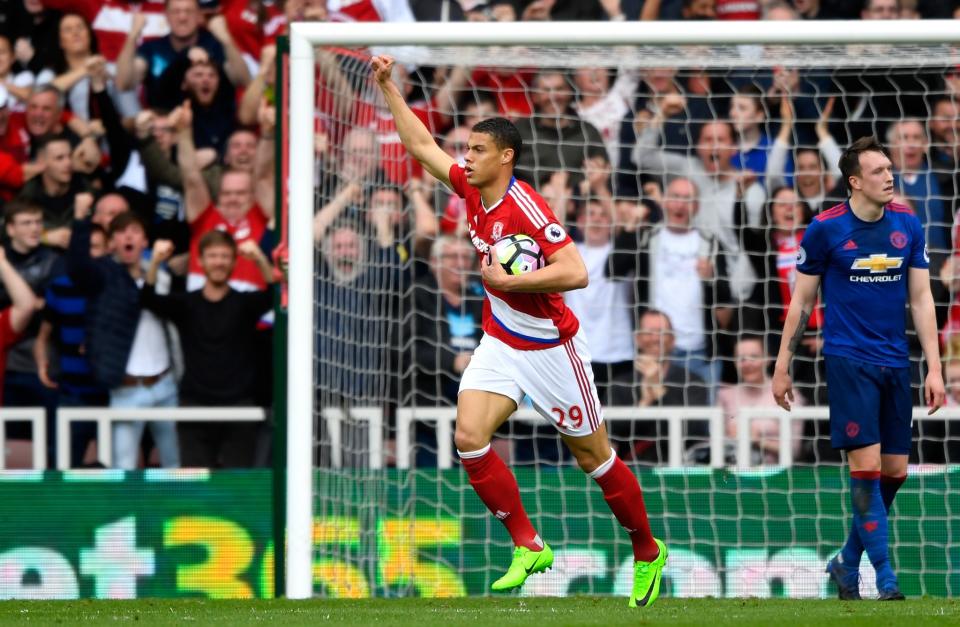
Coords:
pixel 877 263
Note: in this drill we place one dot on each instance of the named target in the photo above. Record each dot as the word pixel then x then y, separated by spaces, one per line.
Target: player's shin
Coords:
pixel 870 519
pixel 497 488
pixel 621 491
pixel 853 549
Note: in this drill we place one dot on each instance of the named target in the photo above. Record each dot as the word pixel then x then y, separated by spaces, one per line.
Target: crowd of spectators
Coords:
pixel 137 181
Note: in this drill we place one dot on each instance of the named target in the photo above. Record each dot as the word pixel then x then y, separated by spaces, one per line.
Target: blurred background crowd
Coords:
pixel 138 188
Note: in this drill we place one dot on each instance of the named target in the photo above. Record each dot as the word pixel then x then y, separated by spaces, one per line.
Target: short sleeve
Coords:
pixel 812 256
pixel 919 257
pixel 458 180
pixel 540 221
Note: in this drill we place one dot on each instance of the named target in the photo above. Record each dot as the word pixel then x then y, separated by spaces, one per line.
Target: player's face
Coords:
pixel 875 181
pixel 217 263
pixel 750 361
pixel 484 160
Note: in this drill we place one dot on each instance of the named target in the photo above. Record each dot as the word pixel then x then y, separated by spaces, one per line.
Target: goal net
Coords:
pixel 686 169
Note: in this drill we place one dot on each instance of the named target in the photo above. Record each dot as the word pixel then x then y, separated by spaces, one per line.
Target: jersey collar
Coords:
pixel 513 180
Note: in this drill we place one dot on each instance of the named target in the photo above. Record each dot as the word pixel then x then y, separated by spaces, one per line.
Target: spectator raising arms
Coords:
pixel 129 348
pixel 218 327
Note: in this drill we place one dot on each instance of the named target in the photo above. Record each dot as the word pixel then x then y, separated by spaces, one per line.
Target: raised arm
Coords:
pixel 130 68
pixel 235 66
pixel 249 249
pixel 415 137
pixel 195 192
pixel 801 306
pixel 24 301
pixel 647 154
pixel 264 172
pixel 249 107
pixel 925 322
pixel 775 175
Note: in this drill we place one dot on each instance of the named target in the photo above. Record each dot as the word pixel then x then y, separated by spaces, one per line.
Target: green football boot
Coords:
pixel 525 563
pixel 646 579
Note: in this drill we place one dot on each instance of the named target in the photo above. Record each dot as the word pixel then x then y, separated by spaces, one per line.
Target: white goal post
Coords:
pixel 305 36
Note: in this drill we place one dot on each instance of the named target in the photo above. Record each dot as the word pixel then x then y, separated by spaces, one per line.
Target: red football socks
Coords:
pixel 621 491
pixel 497 488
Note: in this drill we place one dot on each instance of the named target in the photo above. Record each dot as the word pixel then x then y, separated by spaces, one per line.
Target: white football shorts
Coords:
pixel 558 380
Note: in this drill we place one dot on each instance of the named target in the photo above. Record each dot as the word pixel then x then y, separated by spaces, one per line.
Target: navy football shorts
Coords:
pixel 869 404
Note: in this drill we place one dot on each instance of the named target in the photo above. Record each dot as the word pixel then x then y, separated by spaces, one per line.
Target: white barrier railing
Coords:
pixel 333 419
pixel 445 417
pixel 748 414
pixel 104 416
pixel 37 417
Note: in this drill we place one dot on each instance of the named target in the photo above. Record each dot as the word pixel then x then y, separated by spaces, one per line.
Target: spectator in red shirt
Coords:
pixel 243 208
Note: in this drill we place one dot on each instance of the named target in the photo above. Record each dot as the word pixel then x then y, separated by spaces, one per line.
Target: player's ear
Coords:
pixel 506 156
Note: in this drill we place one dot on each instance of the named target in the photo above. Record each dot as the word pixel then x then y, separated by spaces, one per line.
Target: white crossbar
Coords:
pixel 37 417
pixel 104 416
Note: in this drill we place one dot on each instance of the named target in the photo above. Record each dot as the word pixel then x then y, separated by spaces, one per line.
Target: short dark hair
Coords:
pixel 122 221
pixel 96 228
pixel 15 208
pixel 504 134
pixel 51 138
pixel 650 311
pixel 850 159
pixel 217 238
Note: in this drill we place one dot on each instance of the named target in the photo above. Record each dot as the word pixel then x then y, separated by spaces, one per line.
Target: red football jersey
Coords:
pixel 525 321
pixel 246 274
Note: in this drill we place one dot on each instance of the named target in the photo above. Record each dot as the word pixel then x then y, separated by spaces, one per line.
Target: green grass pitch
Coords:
pixel 492 612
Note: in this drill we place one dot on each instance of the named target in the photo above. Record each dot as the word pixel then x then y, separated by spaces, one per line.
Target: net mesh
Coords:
pixel 607 133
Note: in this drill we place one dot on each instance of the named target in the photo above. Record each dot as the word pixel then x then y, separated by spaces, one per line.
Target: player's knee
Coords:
pixel 467 440
pixel 590 460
